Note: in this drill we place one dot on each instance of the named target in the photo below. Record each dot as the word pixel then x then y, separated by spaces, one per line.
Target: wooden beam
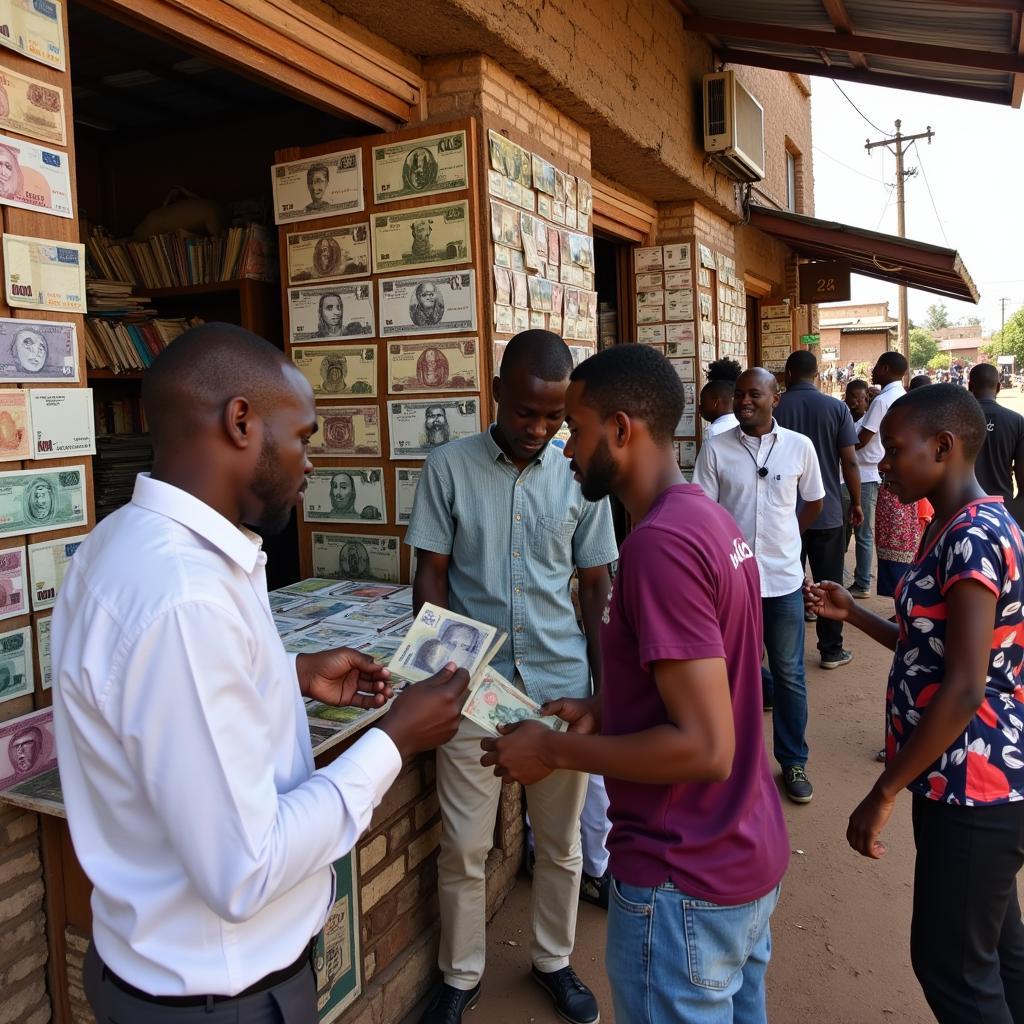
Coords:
pixel 1011 6
pixel 840 18
pixel 932 86
pixel 985 60
pixel 1017 34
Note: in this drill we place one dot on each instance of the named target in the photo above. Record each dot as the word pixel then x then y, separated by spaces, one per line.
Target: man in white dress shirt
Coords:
pixel 191 794
pixel 756 471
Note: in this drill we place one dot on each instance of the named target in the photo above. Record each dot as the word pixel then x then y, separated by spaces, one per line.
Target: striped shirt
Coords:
pixel 514 540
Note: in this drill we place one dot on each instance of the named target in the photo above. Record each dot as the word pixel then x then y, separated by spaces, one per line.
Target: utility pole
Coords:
pixel 898 145
pixel 1002 309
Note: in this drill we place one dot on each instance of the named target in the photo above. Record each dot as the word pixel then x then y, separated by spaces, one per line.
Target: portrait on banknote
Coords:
pixel 342 370
pixel 420 167
pixel 427 236
pixel 344 495
pixel 437 637
pixel 34 178
pixel 346 430
pixel 30 107
pixel 355 557
pixel 37 351
pixel 16 664
pixel 32 501
pixel 322 186
pixel 333 254
pixel 456 642
pixel 331 312
pixel 27 747
pixel 448 364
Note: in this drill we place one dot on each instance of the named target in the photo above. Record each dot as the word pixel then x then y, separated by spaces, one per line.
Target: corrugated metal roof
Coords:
pixel 968 50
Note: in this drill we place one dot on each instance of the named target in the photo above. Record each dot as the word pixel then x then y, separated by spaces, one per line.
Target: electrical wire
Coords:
pixel 935 209
pixel 855 107
pixel 847 166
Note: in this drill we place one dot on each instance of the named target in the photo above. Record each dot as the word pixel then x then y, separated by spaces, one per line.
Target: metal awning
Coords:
pixel 885 257
pixel 970 49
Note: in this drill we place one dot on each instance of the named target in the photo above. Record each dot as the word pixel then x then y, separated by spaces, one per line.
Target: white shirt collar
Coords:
pixel 891 386
pixel 240 545
pixel 751 439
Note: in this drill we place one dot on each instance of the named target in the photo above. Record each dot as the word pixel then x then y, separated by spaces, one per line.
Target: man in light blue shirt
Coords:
pixel 499 525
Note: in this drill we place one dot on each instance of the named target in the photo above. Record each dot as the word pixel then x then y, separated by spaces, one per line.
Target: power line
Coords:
pixel 935 209
pixel 836 160
pixel 855 107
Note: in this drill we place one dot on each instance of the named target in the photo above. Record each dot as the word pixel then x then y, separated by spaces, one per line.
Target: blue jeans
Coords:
pixel 865 535
pixel 784 644
pixel 673 959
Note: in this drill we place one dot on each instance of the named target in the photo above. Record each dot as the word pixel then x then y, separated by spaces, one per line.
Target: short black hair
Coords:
pixel 896 361
pixel 724 369
pixel 636 380
pixel 802 364
pixel 719 389
pixel 856 384
pixel 984 375
pixel 920 381
pixel 945 407
pixel 543 353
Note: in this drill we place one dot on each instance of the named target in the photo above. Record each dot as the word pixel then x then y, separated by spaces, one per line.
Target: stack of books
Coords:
pixel 131 341
pixel 179 259
pixel 118 459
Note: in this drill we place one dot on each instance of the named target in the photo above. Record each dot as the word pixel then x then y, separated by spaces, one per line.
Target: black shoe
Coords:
pixel 449 1004
pixel 798 786
pixel 837 660
pixel 574 1002
pixel 595 890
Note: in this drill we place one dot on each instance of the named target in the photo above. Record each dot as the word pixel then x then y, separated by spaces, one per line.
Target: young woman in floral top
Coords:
pixel 955 712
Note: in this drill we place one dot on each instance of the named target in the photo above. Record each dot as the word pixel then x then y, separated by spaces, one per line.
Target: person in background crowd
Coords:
pixel 698 843
pixel 826 422
pixel 953 707
pixel 716 396
pixel 920 381
pixel 896 528
pixel 212 866
pixel 757 472
pixel 856 399
pixel 499 527
pixel 1000 463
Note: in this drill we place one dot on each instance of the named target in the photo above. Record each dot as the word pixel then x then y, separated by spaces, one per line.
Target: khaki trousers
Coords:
pixel 469 795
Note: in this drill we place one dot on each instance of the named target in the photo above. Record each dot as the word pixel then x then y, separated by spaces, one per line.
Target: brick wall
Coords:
pixel 23 950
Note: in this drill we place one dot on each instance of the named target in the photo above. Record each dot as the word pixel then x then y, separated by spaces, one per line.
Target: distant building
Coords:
pixel 962 343
pixel 858 333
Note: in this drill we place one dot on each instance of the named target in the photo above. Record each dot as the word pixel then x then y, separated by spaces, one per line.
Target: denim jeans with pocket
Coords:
pixel 784 644
pixel 673 959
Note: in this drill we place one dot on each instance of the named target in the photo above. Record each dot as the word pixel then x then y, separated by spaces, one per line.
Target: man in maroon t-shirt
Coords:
pixel 698 843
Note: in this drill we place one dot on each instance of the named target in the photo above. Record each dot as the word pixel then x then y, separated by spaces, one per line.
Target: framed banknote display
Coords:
pixel 336 957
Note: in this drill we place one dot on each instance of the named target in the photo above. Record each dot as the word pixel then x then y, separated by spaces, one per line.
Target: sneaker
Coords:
pixel 768 703
pixel 798 786
pixel 574 1002
pixel 860 592
pixel 595 889
pixel 449 1004
pixel 810 617
pixel 837 660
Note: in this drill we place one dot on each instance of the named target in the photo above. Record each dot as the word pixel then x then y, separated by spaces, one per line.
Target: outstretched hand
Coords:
pixel 519 754
pixel 344 678
pixel 828 600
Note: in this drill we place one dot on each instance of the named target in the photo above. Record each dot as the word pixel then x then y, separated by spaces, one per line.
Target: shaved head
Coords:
pixel 759 375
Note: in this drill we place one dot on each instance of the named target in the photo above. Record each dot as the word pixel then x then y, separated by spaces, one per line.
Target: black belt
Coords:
pixel 268 982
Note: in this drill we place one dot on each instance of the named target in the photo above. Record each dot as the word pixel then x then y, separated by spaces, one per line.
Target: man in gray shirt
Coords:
pixel 499 525
pixel 827 422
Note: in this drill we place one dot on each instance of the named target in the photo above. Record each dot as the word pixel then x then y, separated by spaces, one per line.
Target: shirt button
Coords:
pixel 515 554
pixel 518 517
pixel 519 629
pixel 519 661
pixel 519 590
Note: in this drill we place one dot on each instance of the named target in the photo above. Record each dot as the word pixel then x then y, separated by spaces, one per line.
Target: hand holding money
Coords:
pixel 522 753
pixel 343 678
pixel 427 715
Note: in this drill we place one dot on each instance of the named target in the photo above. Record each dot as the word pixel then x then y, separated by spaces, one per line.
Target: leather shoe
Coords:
pixel 574 1002
pixel 449 1004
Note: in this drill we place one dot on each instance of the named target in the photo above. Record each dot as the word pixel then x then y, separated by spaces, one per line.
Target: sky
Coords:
pixel 974 167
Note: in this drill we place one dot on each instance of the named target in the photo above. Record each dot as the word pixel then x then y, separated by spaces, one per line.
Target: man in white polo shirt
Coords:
pixel 756 471
pixel 888 374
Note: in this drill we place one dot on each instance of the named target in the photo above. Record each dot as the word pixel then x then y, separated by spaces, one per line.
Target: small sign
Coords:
pixel 810 339
pixel 825 281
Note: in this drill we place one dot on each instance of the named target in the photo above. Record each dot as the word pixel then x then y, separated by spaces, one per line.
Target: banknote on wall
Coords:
pixel 48 562
pixel 30 107
pixel 27 747
pixel 16 664
pixel 318 186
pixel 406 480
pixel 332 254
pixel 37 351
pixel 44 274
pixel 43 651
pixel 510 159
pixel 13 582
pixel 347 430
pixel 33 501
pixel 417 427
pixel 337 494
pixel 428 236
pixel 493 702
pixel 420 167
pixel 334 371
pixel 15 425
pixel 35 178
pixel 441 364
pixel 330 312
pixel 63 423
pixel 427 304
pixel 352 556
pixel 34 29
pixel 439 636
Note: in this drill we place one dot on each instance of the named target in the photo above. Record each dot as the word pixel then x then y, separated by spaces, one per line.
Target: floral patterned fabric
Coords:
pixel 985 765
pixel 897 535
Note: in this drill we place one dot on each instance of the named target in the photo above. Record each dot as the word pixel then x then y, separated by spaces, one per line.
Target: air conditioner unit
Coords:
pixel 733 127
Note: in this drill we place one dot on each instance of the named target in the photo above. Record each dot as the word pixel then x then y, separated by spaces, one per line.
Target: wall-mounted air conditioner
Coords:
pixel 733 127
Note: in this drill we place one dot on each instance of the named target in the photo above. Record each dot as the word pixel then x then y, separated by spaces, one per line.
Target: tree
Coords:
pixel 941 361
pixel 937 316
pixel 923 347
pixel 1010 340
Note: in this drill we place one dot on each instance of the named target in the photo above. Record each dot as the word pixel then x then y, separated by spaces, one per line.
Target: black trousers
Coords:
pixel 824 550
pixel 966 937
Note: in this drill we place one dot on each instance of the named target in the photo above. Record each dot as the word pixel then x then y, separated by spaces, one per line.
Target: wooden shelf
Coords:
pixel 212 288
pixel 110 375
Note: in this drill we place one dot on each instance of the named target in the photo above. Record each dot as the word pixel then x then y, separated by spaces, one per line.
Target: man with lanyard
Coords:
pixel 826 421
pixel 499 525
pixel 757 471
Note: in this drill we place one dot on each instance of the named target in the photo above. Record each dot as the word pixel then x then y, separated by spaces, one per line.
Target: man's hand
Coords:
pixel 828 600
pixel 427 714
pixel 583 716
pixel 520 753
pixel 343 677
pixel 856 516
pixel 866 824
